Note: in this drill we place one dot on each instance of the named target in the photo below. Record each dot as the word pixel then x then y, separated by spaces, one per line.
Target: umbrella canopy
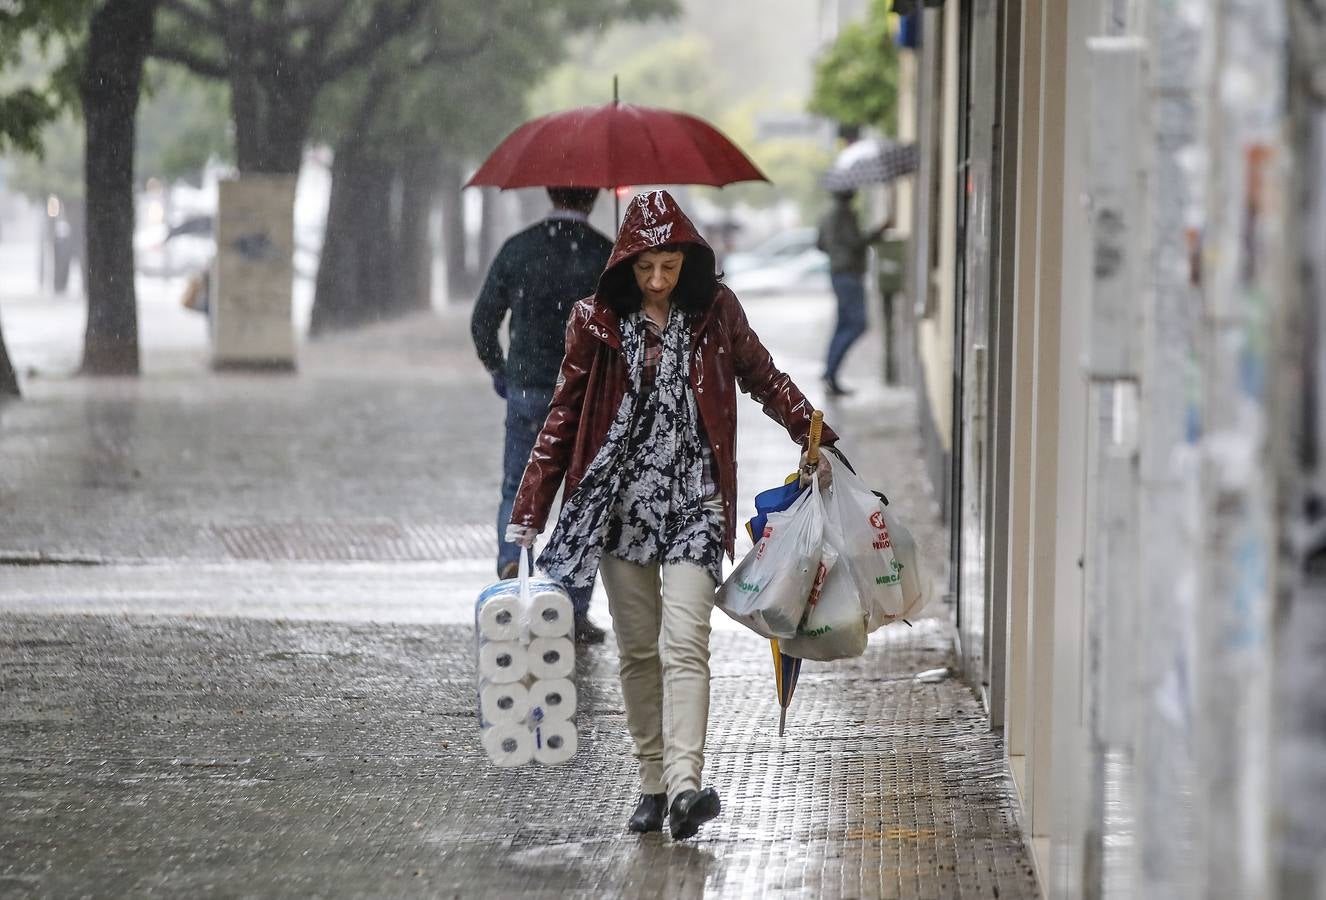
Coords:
pixel 612 145
pixel 870 162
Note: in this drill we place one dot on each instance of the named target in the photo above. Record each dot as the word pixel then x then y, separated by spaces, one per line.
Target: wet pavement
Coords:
pixel 235 657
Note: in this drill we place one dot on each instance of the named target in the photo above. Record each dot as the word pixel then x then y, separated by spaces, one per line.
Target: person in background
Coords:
pixel 841 237
pixel 537 277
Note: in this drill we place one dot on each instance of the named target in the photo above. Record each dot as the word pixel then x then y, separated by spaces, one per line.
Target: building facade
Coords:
pixel 1117 242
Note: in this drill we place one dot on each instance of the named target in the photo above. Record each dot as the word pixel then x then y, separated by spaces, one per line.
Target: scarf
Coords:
pixel 641 497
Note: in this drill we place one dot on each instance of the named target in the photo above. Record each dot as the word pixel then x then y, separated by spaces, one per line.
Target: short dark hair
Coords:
pixel 573 198
pixel 849 132
pixel 696 285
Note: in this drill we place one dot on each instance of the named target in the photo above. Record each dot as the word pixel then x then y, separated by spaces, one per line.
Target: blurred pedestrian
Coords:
pixel 841 237
pixel 643 429
pixel 537 276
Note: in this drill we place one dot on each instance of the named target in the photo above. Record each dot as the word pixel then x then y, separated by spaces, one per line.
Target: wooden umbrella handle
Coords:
pixel 813 445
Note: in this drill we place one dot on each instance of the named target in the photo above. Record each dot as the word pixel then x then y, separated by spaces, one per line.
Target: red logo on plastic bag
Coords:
pixel 764 541
pixel 881 541
pixel 818 587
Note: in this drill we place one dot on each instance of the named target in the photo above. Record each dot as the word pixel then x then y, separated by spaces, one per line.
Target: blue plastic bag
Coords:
pixel 773 500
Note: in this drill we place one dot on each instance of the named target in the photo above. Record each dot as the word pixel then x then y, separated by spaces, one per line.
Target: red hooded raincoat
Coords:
pixel 726 354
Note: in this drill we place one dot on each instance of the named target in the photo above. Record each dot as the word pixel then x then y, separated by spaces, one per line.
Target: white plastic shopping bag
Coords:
pixel 890 584
pixel 913 580
pixel 768 590
pixel 834 626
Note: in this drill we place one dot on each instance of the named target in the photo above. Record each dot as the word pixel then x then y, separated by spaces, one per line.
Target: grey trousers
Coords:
pixel 660 614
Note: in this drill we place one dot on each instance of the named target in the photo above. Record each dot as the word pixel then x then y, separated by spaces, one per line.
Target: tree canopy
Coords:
pixel 856 80
pixel 34 87
pixel 678 69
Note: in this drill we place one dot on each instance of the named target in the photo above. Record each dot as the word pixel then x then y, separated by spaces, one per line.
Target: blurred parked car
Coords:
pixel 182 249
pixel 786 263
pixel 805 273
pixel 778 248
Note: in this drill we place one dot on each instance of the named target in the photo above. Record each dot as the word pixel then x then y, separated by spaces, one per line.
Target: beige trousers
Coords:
pixel 660 614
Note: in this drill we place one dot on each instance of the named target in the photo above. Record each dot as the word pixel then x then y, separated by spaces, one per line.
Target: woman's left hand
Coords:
pixel 823 470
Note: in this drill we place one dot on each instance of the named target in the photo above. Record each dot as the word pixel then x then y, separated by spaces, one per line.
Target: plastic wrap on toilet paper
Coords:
pixel 509 745
pixel 499 618
pixel 503 704
pixel 524 656
pixel 555 741
pixel 552 698
pixel 551 614
pixel 551 657
pixel 502 662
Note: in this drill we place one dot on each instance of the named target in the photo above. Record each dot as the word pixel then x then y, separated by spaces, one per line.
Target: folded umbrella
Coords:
pixel 787 669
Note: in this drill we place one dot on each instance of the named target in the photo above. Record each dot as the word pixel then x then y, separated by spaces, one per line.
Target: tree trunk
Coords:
pixel 271 124
pixel 419 176
pixel 375 228
pixel 8 380
pixel 356 282
pixel 488 239
pixel 271 106
pixel 460 280
pixel 119 37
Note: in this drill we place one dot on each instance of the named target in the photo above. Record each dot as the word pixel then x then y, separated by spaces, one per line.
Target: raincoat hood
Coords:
pixel 654 219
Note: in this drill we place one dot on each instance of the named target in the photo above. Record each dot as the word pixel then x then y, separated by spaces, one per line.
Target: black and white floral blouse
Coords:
pixel 646 497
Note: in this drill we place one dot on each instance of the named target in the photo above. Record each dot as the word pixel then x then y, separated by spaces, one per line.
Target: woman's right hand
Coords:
pixel 522 535
pixel 822 469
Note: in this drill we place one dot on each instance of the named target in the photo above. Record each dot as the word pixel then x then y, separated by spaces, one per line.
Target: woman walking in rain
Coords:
pixel 643 429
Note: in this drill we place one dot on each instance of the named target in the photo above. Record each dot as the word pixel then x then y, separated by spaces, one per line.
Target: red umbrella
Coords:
pixel 612 145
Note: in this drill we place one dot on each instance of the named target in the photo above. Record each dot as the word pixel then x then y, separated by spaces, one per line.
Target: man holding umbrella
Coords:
pixel 841 237
pixel 860 163
pixel 537 276
pixel 592 147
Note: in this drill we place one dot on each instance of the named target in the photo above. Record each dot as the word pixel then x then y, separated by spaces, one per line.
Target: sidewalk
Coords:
pixel 235 654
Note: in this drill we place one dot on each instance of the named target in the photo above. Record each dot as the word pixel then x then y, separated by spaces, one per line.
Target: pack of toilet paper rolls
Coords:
pixel 534 723
pixel 499 614
pixel 529 701
pixel 549 743
pixel 524 657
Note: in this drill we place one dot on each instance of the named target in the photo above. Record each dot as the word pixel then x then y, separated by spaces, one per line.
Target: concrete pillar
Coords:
pixel 1046 378
pixel 1017 723
pixel 250 300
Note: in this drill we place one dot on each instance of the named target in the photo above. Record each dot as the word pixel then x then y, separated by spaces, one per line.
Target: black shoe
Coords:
pixel 648 815
pixel 510 570
pixel 834 389
pixel 587 632
pixel 690 810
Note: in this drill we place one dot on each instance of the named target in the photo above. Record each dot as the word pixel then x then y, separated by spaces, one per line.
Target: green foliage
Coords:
pixel 34 89
pixel 675 69
pixel 461 79
pixel 856 80
pixel 672 72
pixel 792 165
pixel 58 169
pixel 24 113
pixel 183 121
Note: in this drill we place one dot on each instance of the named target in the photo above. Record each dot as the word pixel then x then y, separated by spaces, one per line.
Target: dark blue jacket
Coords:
pixel 538 275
